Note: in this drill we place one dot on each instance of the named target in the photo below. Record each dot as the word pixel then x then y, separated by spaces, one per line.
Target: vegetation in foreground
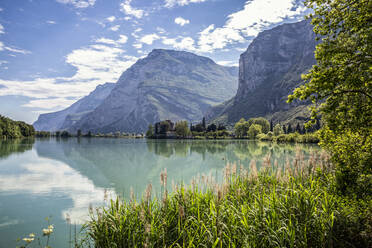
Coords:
pixel 279 206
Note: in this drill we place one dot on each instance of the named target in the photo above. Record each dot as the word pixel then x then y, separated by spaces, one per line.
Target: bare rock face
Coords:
pixel 167 84
pixel 65 118
pixel 268 72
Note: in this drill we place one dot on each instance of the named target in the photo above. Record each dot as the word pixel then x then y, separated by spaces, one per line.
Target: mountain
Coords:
pixel 65 118
pixel 269 70
pixel 167 84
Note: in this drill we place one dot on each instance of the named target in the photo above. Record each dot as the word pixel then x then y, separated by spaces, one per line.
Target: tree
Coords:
pixel 278 129
pixel 241 128
pixel 164 127
pixel 150 131
pixel 271 126
pixel 289 129
pixel 203 123
pixel 265 124
pixel 298 128
pixel 340 87
pixel 79 133
pixel 284 129
pixel 198 128
pixel 254 130
pixel 212 128
pixel 182 129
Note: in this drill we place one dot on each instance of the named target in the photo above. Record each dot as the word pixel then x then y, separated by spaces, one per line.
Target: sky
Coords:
pixel 53 52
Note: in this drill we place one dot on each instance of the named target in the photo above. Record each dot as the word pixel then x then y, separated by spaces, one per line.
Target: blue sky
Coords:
pixel 53 52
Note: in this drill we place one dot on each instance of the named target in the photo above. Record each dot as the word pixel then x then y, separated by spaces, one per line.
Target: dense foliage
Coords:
pixel 15 129
pixel 340 86
pixel 292 207
pixel 182 129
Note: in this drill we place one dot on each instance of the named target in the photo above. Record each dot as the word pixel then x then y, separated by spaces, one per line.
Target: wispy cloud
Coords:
pixel 180 21
pixel 78 3
pixel 1 29
pixel 12 49
pixel 115 28
pixel 173 3
pixel 95 64
pixel 227 63
pixel 51 22
pixel 122 40
pixel 131 11
pixel 111 18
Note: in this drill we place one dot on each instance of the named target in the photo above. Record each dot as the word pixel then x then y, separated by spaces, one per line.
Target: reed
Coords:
pixel 278 206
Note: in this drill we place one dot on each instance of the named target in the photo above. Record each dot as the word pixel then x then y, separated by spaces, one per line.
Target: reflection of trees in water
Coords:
pixel 122 163
pixel 183 148
pixel 7 147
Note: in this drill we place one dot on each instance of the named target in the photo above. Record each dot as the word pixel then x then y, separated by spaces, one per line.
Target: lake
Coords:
pixel 62 178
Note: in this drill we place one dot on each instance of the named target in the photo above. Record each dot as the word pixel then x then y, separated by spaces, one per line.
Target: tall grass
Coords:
pixel 289 206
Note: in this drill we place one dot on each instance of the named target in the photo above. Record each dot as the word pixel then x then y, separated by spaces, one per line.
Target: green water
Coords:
pixel 59 178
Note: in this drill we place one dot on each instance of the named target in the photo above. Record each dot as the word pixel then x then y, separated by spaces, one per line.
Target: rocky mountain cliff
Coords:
pixel 64 119
pixel 166 84
pixel 268 71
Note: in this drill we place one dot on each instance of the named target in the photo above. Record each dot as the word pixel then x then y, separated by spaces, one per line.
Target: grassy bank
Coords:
pixel 291 205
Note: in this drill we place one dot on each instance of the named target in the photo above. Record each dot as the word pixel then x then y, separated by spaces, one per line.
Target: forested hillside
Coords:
pixel 14 129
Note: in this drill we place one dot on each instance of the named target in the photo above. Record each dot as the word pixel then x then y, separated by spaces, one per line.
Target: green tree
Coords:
pixel 254 130
pixel 340 86
pixel 278 129
pixel 182 129
pixel 241 128
pixel 265 124
pixel 150 131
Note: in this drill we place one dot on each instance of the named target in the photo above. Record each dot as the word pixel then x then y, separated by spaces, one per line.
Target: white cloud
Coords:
pixel 172 3
pixel 12 49
pixel 181 21
pixel 106 41
pixel 48 104
pixel 78 3
pixel 1 29
pixel 123 39
pixel 1 46
pixel 94 65
pixel 129 10
pixel 137 30
pixel 137 45
pixel 228 63
pixel 1 9
pixel 51 22
pixel 111 18
pixel 211 38
pixel 182 43
pixel 255 17
pixel 149 39
pixel 115 28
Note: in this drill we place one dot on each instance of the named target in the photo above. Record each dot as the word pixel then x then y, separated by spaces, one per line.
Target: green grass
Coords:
pixel 290 206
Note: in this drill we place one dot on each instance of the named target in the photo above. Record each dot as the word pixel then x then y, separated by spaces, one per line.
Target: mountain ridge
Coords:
pixel 269 70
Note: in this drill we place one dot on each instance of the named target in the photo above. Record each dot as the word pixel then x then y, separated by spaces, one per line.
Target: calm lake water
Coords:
pixel 63 177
